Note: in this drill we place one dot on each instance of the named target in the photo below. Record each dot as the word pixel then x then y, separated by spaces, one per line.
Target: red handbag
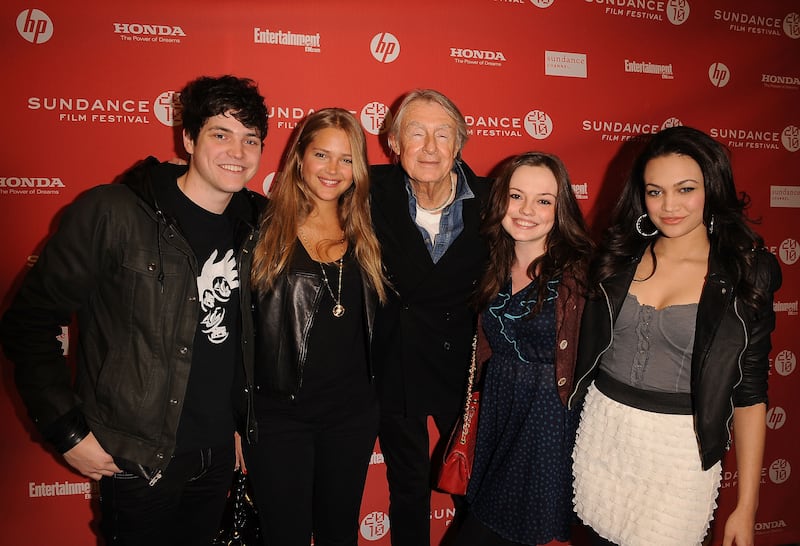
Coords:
pixel 459 454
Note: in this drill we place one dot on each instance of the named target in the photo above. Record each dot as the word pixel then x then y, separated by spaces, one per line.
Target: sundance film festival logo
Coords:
pixel 35 26
pixel 677 11
pixel 719 74
pixel 493 126
pixel 785 363
pixel 788 251
pixel 375 118
pixel 622 131
pixel 287 117
pixel 791 25
pixel 374 526
pixel 93 110
pixel 790 138
pixel 385 47
pixel 266 184
pixel 776 417
pixel 538 124
pixel 166 109
pixel 542 3
pixel 779 471
pixel 674 11
pixel 751 23
pixel 753 139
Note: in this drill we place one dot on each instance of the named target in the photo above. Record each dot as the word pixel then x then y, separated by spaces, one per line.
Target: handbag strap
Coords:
pixel 471 379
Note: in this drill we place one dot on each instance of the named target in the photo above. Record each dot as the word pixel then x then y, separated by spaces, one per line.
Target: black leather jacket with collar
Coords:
pixel 284 318
pixel 129 274
pixel 730 361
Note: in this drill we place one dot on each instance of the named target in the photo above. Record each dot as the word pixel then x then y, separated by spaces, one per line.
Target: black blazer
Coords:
pixel 423 335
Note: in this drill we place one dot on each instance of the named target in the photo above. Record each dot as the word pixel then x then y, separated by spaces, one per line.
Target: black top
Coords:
pixel 335 379
pixel 207 418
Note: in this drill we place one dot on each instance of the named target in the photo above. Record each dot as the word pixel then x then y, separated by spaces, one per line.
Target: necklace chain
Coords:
pixel 447 201
pixel 338 308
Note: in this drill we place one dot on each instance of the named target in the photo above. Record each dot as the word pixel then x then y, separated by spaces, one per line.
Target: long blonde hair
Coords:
pixel 290 203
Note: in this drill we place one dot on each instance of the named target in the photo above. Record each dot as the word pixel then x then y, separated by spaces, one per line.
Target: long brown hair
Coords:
pixel 568 246
pixel 290 203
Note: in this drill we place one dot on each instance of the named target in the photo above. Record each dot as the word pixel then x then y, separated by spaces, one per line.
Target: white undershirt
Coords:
pixel 429 222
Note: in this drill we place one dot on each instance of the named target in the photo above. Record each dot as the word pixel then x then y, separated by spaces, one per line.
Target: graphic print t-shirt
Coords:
pixel 207 416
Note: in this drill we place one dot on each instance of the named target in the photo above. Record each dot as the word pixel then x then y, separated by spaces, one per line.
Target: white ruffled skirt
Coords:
pixel 638 476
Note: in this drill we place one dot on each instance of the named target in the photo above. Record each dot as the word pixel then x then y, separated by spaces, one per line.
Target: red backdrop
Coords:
pixel 88 87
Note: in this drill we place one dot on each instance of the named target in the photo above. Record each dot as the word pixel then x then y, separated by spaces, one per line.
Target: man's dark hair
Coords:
pixel 207 97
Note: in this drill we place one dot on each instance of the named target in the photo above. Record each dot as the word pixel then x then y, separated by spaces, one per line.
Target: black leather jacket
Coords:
pixel 730 361
pixel 130 276
pixel 284 317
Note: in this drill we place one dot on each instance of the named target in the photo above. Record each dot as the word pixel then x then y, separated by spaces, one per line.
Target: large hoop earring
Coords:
pixel 711 226
pixel 639 229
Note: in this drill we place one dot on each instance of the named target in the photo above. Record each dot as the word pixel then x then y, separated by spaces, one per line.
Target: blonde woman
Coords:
pixel 317 279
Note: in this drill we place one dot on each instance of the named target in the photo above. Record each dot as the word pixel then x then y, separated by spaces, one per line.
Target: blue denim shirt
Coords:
pixel 451 223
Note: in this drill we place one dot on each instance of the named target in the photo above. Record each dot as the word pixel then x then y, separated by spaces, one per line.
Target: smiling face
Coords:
pixel 675 195
pixel 427 142
pixel 327 166
pixel 224 158
pixel 531 211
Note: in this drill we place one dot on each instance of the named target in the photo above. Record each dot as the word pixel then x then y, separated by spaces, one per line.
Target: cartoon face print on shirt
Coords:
pixel 215 285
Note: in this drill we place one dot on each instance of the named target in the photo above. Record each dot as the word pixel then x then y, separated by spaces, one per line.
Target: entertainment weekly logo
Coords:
pixel 537 124
pixel 110 111
pixel 674 11
pixel 148 33
pixel 755 139
pixel 752 23
pixel 623 131
pixel 646 67
pixel 35 26
pixel 62 489
pixel 310 43
pixel 30 185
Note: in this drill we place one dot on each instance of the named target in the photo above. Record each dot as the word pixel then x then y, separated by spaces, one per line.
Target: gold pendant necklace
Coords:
pixel 338 308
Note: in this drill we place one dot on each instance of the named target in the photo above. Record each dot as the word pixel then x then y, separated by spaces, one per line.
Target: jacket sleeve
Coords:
pixel 761 322
pixel 57 286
